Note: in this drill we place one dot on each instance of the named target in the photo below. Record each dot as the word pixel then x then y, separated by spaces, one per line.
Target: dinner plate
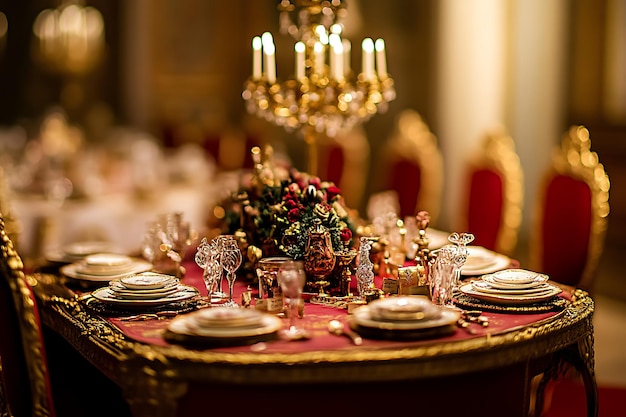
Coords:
pixel 105 294
pixel 483 261
pixel 136 266
pixel 143 295
pixel 437 238
pixel 117 286
pixel 79 250
pixel 403 308
pixel 104 264
pixel 185 325
pixel 485 287
pixel 362 317
pixel 146 280
pixel 512 299
pixel 539 280
pixel 227 317
pixel 516 276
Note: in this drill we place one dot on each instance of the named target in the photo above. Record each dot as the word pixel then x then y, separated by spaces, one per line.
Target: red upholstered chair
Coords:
pixel 492 206
pixel 411 164
pixel 24 367
pixel 344 160
pixel 570 218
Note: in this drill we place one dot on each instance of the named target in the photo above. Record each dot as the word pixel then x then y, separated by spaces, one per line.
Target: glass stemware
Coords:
pixel 291 277
pixel 230 258
pixel 208 258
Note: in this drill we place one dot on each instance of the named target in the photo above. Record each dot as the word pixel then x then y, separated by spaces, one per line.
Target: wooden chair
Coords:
pixel 24 365
pixel 344 160
pixel 411 164
pixel 494 191
pixel 570 217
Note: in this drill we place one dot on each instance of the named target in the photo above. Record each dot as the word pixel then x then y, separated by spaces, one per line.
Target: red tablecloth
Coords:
pixel 316 318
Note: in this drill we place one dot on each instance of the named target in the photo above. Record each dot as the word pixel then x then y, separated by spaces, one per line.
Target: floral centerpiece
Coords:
pixel 278 206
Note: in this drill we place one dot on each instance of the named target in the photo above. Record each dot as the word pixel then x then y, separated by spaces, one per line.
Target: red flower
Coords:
pixel 315 181
pixel 332 192
pixel 346 234
pixel 293 215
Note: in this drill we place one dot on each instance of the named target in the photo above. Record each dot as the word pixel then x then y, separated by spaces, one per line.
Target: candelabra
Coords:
pixel 325 95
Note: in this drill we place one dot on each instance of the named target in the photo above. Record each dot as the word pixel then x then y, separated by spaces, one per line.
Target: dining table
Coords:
pixel 127 360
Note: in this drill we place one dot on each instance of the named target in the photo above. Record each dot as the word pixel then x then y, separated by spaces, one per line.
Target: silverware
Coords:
pixel 337 328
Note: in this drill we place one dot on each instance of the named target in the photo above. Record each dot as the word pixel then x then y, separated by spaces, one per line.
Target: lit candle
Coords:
pixel 299 60
pixel 270 62
pixel 269 51
pixel 381 58
pixel 256 57
pixel 333 40
pixel 347 47
pixel 368 58
pixel 338 53
pixel 318 52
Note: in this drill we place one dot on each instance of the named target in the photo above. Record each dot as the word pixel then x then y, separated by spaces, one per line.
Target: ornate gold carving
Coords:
pixel 574 158
pixel 11 269
pixel 414 141
pixel 108 347
pixel 498 154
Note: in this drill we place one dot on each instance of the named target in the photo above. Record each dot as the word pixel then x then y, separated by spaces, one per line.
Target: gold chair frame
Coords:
pixel 575 159
pixel 11 267
pixel 412 139
pixel 497 153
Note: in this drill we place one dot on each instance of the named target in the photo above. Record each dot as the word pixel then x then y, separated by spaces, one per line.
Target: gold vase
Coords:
pixel 319 256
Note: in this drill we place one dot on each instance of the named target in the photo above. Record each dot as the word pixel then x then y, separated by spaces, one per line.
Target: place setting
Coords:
pixel 511 289
pixel 223 326
pixel 404 317
pixel 483 261
pixel 100 268
pixel 148 292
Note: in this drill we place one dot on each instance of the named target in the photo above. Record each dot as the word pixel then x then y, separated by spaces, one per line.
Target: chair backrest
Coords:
pixel 344 160
pixel 494 192
pixel 411 165
pixel 571 214
pixel 24 366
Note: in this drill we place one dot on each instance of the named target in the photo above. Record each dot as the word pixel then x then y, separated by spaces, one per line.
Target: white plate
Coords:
pixel 517 276
pixel 227 317
pixel 437 238
pixel 403 308
pixel 143 295
pixel 539 279
pixel 511 299
pixel 362 317
pixel 147 280
pixel 116 286
pixel 106 295
pixel 483 261
pixel 136 266
pixel 268 324
pixel 104 264
pixel 485 287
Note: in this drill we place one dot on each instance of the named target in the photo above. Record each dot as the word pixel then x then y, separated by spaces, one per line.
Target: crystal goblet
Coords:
pixel 291 277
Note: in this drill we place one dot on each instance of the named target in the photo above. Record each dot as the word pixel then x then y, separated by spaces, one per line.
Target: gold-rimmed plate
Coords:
pixel 73 271
pixel 512 299
pixel 363 318
pixel 106 295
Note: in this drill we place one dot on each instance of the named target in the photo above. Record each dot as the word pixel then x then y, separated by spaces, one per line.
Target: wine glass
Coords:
pixel 230 258
pixel 208 258
pixel 291 277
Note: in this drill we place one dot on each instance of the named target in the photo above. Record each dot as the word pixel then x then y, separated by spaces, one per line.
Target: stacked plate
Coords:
pixel 77 251
pixel 483 261
pixel 403 317
pixel 512 286
pixel 104 267
pixel 224 326
pixel 146 289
